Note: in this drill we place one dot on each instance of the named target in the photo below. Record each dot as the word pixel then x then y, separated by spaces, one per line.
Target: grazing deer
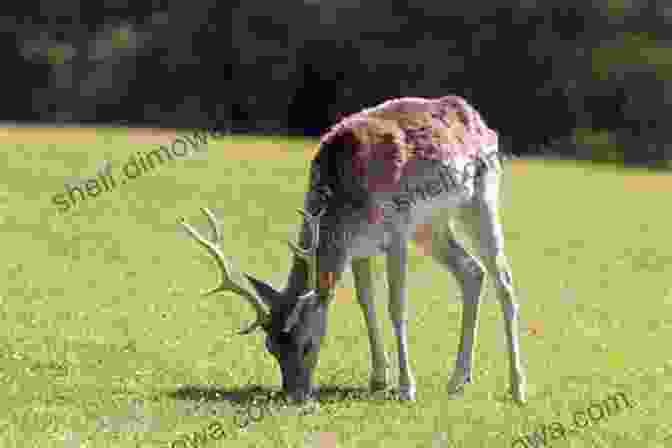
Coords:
pixel 377 175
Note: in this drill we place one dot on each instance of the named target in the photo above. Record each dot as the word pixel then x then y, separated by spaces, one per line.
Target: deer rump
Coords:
pixel 372 150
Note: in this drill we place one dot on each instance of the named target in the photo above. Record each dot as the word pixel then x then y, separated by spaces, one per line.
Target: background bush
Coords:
pixel 546 76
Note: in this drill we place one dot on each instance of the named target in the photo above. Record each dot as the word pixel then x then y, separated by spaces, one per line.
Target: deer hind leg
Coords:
pixel 470 274
pixel 362 271
pixel 486 226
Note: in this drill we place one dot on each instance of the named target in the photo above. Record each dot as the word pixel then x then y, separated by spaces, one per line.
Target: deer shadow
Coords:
pixel 213 398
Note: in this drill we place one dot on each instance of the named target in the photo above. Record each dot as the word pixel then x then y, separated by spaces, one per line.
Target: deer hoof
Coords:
pixel 378 385
pixel 519 394
pixel 518 387
pixel 407 394
pixel 457 383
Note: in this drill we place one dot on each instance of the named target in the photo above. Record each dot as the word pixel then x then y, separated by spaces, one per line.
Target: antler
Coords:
pixel 227 283
pixel 309 256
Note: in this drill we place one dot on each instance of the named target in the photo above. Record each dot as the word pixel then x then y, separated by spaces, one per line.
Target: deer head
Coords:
pixel 294 323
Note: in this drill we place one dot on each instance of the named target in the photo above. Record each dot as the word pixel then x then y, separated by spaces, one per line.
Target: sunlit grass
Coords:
pixel 105 340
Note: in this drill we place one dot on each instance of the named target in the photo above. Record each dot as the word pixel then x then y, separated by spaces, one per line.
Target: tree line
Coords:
pixel 584 79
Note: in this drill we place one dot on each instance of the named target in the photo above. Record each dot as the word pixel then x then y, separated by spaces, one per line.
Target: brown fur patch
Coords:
pixel 327 281
pixel 423 238
pixel 374 146
pixel 452 131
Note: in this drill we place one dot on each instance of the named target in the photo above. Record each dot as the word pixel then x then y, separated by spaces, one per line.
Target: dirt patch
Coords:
pixel 47 136
pixel 252 149
pixel 151 136
pixel 648 183
pixel 265 150
pixel 82 136
pixel 345 294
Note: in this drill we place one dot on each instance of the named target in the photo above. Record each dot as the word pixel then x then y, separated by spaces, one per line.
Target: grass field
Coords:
pixel 105 341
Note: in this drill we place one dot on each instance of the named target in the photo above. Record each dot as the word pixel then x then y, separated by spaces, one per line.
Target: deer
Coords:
pixel 378 176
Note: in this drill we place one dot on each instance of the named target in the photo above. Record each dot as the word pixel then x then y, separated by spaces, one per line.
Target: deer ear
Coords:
pixel 265 291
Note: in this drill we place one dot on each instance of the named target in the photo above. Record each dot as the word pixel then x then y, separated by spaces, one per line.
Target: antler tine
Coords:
pixel 227 283
pixel 309 255
pixel 314 221
pixel 216 231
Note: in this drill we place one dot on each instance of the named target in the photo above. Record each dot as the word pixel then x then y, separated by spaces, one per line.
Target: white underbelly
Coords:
pixel 421 198
pixel 374 239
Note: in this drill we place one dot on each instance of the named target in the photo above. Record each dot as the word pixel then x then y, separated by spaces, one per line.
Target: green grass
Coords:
pixel 105 341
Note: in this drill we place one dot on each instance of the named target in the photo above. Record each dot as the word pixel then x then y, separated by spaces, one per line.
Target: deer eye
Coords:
pixel 283 338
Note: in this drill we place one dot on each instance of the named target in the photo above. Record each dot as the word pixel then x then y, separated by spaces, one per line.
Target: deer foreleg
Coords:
pixel 397 267
pixel 364 284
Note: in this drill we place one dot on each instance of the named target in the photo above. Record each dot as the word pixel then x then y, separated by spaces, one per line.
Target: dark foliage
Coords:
pixel 548 77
